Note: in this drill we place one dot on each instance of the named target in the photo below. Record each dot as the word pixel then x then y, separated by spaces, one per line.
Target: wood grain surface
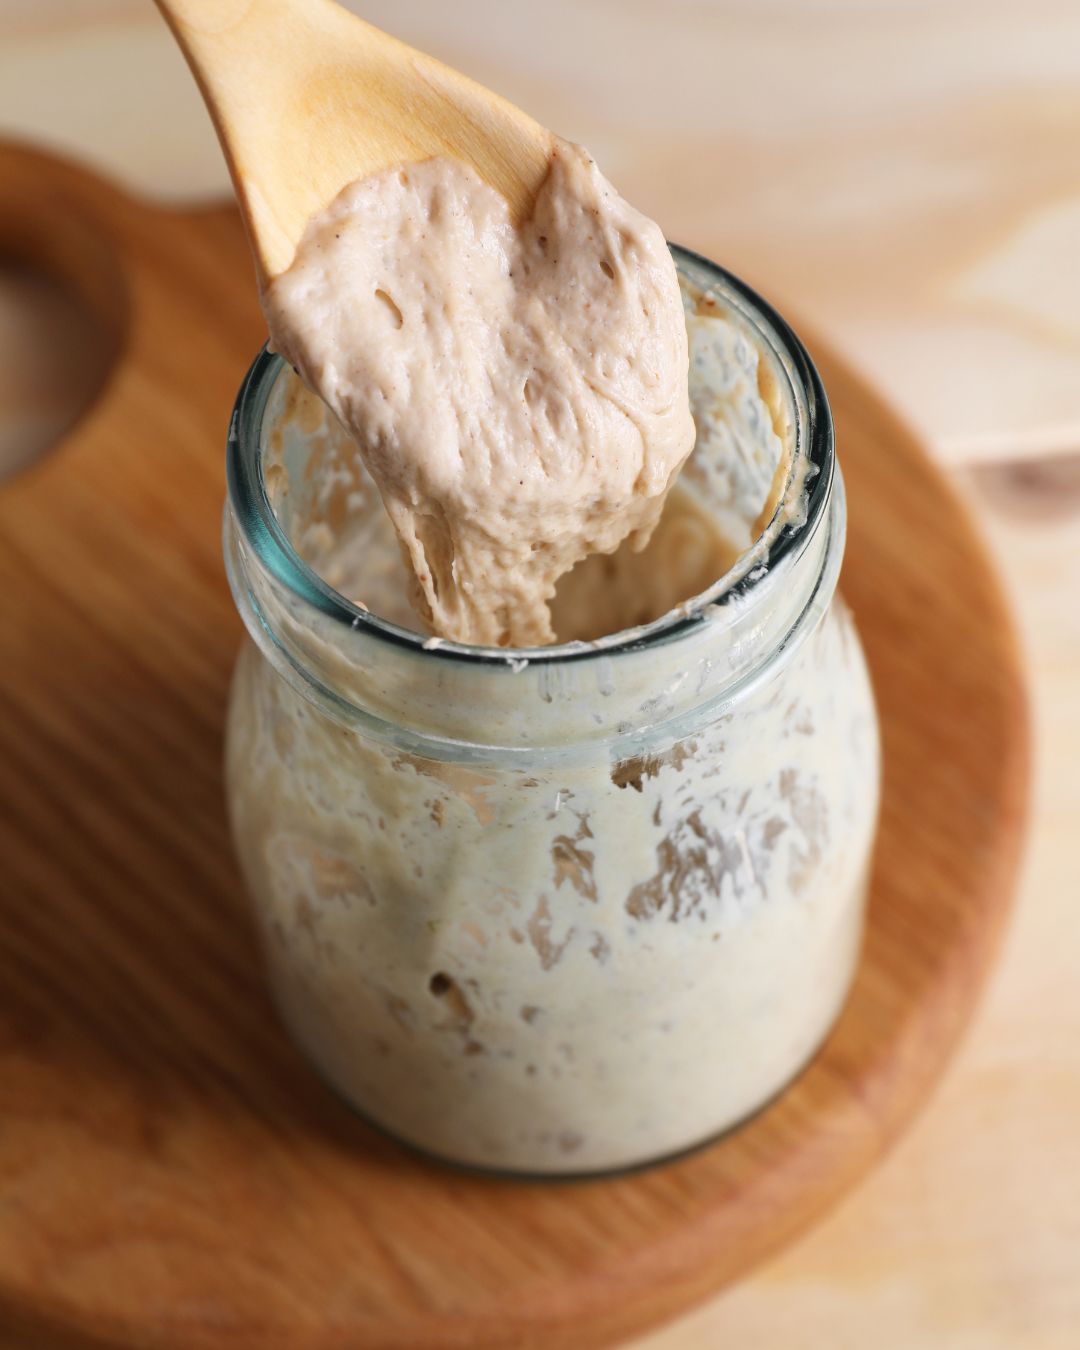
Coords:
pixel 171 1173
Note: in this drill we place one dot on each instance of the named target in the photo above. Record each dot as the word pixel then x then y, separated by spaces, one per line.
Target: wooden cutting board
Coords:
pixel 172 1175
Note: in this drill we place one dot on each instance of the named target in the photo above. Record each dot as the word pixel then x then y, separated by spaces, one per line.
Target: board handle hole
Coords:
pixel 62 320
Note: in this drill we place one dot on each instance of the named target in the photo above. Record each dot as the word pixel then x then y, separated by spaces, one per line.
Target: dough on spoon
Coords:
pixel 518 395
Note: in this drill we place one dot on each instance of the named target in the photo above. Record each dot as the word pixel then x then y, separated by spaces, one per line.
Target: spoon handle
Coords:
pixel 306 98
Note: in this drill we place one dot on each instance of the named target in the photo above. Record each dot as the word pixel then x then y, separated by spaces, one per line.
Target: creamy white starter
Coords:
pixel 519 396
pixel 569 966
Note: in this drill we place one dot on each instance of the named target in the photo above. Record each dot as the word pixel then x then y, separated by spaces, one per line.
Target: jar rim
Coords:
pixel 789 530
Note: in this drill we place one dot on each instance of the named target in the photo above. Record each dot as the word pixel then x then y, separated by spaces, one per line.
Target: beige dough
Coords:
pixel 519 396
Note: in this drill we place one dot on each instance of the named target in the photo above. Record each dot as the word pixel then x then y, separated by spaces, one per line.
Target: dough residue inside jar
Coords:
pixel 519 395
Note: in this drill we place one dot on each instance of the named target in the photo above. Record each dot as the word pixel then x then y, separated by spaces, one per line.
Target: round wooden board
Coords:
pixel 171 1172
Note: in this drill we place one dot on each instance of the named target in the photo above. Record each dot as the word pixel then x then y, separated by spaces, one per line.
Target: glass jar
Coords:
pixel 571 909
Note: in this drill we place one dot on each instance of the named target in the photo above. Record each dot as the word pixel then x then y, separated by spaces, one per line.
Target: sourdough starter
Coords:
pixel 581 908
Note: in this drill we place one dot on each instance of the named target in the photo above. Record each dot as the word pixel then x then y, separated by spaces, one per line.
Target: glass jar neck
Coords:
pixel 637 688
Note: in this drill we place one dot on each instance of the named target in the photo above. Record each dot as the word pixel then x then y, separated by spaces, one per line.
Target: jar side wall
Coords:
pixel 533 970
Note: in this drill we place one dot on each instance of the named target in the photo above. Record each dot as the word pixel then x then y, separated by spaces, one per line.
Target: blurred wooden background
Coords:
pixel 906 174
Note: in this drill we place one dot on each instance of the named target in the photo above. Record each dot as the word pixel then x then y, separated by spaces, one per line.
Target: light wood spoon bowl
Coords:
pixel 306 98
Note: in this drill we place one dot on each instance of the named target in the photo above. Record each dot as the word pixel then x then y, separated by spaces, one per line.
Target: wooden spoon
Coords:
pixel 307 98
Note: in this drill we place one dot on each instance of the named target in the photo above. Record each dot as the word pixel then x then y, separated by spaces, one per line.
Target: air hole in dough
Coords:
pixel 388 301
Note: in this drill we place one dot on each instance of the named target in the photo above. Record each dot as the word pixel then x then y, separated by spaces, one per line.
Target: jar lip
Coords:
pixel 788 532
